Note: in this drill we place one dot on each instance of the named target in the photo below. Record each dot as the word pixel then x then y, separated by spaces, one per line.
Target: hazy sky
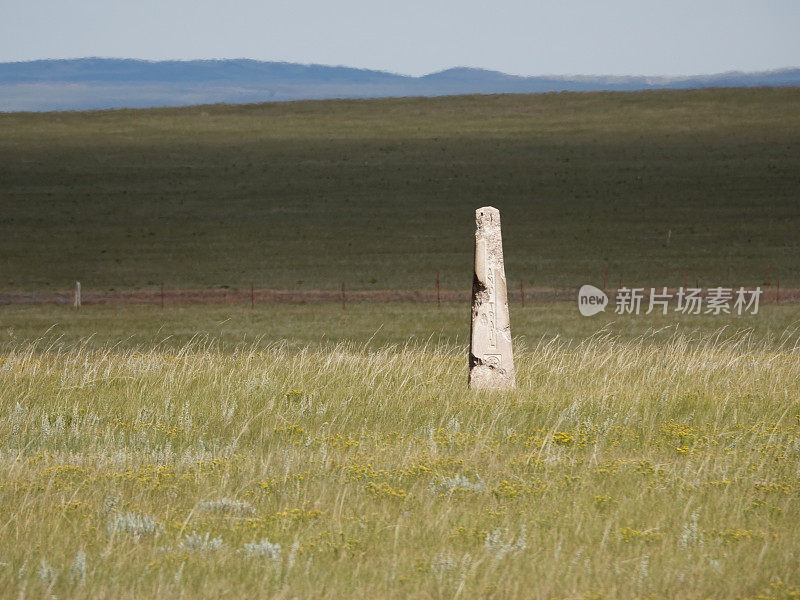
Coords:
pixel 652 37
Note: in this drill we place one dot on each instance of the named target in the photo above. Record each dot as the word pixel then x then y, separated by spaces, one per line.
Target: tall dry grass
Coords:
pixel 619 469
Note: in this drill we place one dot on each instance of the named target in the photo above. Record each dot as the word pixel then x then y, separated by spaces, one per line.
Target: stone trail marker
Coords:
pixel 491 363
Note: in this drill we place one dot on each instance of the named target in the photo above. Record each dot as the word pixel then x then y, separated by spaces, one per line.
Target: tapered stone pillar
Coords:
pixel 491 363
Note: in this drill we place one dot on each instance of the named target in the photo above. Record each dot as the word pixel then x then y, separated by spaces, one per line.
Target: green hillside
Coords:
pixel 381 193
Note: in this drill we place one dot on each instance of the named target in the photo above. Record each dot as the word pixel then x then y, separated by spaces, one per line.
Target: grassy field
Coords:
pixel 309 451
pixel 340 455
pixel 229 327
pixel 382 193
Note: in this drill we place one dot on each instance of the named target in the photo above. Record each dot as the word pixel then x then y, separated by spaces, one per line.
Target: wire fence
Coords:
pixel 253 296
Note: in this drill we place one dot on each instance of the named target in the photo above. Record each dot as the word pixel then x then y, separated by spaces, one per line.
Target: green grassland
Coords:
pixel 302 451
pixel 310 451
pixel 381 193
pixel 371 325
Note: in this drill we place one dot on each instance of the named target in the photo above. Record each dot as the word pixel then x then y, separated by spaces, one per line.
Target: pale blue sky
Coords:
pixel 665 37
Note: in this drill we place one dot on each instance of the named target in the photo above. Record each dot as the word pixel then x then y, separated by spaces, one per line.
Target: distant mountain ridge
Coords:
pixel 100 83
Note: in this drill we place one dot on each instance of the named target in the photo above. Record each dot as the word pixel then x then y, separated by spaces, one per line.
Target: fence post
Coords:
pixel 438 296
pixel 344 298
pixel 77 301
pixel 162 295
pixel 522 293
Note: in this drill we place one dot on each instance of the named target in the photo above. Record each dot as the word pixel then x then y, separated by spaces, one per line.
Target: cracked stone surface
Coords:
pixel 491 362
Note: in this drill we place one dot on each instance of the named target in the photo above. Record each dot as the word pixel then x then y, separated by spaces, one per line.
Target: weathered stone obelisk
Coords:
pixel 491 363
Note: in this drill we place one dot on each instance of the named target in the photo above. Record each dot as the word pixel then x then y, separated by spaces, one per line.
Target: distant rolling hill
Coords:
pixel 98 83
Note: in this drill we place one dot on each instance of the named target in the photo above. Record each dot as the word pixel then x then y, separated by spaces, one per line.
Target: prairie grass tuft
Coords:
pixel 262 549
pixel 227 506
pixel 195 542
pixel 446 485
pixel 134 523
